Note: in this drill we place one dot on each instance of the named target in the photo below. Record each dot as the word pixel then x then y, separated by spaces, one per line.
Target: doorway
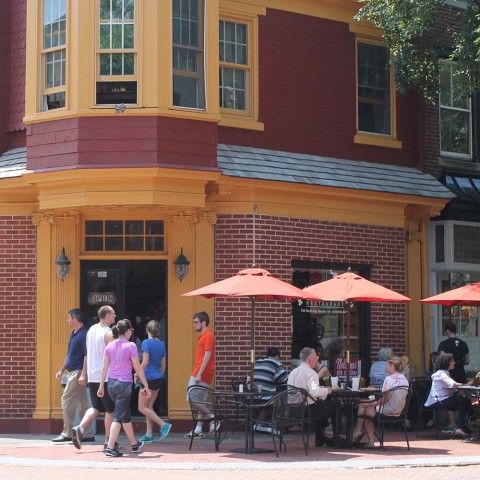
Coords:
pixel 137 290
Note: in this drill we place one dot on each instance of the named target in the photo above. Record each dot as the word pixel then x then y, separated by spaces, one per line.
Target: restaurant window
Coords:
pixel 455 112
pixel 374 92
pixel 124 236
pixel 439 243
pixel 116 53
pixel 188 53
pixel 466 243
pixel 235 67
pixel 324 325
pixel 54 54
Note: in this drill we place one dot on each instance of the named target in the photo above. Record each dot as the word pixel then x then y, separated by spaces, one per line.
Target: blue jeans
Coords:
pixel 120 393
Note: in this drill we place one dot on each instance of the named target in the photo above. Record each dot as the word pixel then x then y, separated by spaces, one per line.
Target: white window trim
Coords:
pixel 445 153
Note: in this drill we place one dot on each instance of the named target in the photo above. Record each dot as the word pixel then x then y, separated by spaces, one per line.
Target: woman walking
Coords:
pixel 154 364
pixel 119 358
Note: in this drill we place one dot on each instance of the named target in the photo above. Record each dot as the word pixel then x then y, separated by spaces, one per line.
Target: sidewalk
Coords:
pixel 173 454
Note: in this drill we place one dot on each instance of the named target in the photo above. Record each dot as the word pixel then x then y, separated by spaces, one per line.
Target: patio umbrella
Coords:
pixel 350 287
pixel 466 295
pixel 255 283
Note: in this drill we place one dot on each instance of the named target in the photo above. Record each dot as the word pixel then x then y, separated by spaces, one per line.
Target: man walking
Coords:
pixel 459 349
pixel 204 365
pixel 97 338
pixel 75 394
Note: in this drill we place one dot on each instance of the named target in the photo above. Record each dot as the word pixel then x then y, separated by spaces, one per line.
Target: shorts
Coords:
pixel 155 384
pixel 121 392
pixel 200 395
pixel 104 404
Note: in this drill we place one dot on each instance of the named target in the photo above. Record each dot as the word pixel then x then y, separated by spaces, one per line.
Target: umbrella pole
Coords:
pixel 252 336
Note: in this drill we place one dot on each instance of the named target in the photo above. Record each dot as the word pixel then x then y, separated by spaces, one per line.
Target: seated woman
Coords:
pixel 391 405
pixel 442 396
pixel 378 370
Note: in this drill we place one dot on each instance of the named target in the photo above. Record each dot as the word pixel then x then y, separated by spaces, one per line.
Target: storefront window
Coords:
pixel 326 326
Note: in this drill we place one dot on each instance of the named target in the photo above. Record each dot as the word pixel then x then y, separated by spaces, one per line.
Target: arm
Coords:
pixel 58 375
pixel 203 366
pixel 82 379
pixel 145 359
pixel 106 364
pixel 315 390
pixel 139 371
pixel 163 364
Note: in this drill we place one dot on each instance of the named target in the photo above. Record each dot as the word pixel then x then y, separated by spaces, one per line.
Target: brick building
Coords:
pixel 231 130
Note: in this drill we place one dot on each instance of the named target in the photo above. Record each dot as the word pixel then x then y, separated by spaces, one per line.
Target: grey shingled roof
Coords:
pixel 13 162
pixel 262 164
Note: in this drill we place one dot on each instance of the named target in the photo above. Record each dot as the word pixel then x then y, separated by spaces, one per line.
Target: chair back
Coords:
pixel 289 407
pixel 202 402
pixel 394 402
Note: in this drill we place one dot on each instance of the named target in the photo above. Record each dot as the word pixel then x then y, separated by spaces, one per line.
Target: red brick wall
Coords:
pixel 278 242
pixel 308 93
pixel 4 71
pixel 17 317
pixel 17 65
pixel 122 142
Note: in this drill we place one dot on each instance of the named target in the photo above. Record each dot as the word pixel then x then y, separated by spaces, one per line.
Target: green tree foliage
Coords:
pixel 416 39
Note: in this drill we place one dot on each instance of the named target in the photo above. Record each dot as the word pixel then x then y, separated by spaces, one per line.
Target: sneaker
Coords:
pixel 113 452
pixel 449 429
pixel 77 437
pixel 165 430
pixel 88 440
pixel 61 439
pixel 115 447
pixel 193 433
pixel 214 427
pixel 458 432
pixel 147 438
pixel 137 447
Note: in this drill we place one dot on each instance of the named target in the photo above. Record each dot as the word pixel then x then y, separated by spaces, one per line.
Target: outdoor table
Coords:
pixel 471 391
pixel 347 401
pixel 251 400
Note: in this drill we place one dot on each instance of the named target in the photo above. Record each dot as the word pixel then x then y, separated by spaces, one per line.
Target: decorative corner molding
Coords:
pixel 55 218
pixel 191 217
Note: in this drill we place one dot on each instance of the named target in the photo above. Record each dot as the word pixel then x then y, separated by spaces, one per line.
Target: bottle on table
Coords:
pixel 249 383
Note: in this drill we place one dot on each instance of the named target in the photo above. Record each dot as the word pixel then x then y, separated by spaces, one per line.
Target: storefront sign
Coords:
pixel 323 308
pixel 355 368
pixel 102 298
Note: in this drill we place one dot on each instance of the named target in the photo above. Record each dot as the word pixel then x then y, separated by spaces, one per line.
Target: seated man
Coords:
pixel 269 372
pixel 378 370
pixel 306 377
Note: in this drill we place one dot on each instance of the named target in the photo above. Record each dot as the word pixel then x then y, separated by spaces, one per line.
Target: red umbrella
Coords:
pixel 466 295
pixel 351 287
pixel 256 283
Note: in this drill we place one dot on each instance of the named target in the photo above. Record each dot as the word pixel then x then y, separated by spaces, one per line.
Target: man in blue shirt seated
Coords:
pixel 74 395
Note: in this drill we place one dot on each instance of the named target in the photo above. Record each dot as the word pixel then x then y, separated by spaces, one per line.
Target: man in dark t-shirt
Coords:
pixel 459 349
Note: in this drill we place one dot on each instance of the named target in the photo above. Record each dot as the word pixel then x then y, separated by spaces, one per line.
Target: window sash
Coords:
pixel 448 106
pixel 374 91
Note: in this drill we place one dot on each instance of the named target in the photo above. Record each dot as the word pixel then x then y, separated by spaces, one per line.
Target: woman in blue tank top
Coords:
pixel 154 363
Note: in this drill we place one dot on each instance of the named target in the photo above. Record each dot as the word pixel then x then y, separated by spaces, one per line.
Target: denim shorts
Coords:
pixel 120 392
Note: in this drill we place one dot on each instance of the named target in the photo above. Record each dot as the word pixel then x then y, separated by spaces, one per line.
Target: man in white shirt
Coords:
pixel 97 338
pixel 305 376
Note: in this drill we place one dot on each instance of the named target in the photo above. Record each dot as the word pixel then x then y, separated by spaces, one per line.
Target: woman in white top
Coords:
pixel 442 394
pixel 392 405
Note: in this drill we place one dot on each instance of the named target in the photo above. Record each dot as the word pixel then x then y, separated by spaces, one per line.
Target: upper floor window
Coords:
pixel 455 112
pixel 234 66
pixel 374 92
pixel 116 53
pixel 188 53
pixel 54 54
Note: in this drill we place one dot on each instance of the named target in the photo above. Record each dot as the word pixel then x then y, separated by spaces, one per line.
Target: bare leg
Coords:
pixel 370 431
pixel 90 415
pixel 108 424
pixel 145 407
pixel 113 433
pixel 128 429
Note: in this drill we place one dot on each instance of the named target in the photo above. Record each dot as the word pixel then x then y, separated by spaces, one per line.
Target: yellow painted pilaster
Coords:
pixel 192 230
pixel 418 340
pixel 54 298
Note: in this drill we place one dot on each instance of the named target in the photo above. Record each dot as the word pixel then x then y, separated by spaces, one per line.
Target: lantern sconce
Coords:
pixel 181 265
pixel 63 265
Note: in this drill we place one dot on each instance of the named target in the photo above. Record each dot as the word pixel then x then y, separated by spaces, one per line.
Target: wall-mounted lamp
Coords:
pixel 63 265
pixel 181 265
